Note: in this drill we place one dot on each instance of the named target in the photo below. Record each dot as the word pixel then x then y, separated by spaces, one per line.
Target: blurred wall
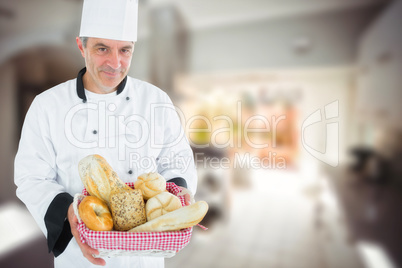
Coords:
pixel 273 43
pixel 379 76
pixel 8 141
pixel 140 64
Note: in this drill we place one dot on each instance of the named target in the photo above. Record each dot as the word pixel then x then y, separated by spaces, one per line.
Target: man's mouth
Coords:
pixel 112 74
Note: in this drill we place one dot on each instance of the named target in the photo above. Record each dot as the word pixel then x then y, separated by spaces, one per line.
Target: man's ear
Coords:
pixel 80 46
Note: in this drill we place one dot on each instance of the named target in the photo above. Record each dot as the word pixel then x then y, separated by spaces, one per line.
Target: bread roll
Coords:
pixel 95 214
pixel 99 178
pixel 183 217
pixel 128 209
pixel 150 184
pixel 161 204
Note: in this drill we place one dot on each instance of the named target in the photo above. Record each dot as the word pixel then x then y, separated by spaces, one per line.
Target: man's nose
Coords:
pixel 114 59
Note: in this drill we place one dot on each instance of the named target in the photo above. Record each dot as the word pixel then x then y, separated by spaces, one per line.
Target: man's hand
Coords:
pixel 87 251
pixel 187 197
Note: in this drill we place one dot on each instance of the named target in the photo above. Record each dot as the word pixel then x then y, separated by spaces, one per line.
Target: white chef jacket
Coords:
pixel 136 131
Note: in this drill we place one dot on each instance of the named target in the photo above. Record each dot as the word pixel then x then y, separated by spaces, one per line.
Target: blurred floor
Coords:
pixel 279 220
pixel 22 244
pixel 284 220
pixel 32 253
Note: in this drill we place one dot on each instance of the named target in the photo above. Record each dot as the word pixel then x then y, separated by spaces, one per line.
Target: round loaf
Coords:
pixel 150 184
pixel 161 204
pixel 128 209
pixel 95 214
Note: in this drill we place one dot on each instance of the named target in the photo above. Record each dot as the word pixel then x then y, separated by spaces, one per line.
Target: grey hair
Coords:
pixel 84 40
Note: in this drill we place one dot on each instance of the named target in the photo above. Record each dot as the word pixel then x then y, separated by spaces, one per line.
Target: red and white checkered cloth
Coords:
pixel 127 241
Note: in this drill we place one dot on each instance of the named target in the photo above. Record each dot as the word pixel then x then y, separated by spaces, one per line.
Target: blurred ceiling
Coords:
pixel 211 13
pixel 24 15
pixel 34 23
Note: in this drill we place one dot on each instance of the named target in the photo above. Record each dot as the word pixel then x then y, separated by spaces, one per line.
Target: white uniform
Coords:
pixel 136 131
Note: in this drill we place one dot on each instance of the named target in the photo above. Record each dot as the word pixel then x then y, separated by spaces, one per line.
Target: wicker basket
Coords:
pixel 116 243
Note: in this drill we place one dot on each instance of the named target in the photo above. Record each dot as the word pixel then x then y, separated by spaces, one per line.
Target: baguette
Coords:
pixel 99 178
pixel 181 218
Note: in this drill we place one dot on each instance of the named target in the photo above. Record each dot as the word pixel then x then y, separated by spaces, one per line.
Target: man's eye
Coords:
pixel 125 51
pixel 102 49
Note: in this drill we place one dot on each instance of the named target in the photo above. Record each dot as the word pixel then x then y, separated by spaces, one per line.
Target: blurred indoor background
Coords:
pixel 292 109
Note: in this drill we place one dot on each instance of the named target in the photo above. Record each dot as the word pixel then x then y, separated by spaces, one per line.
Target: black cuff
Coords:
pixel 179 181
pixel 58 228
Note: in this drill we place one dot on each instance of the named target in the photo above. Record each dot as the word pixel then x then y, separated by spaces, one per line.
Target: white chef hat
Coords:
pixel 110 19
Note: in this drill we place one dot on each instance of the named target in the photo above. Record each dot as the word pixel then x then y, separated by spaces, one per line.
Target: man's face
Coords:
pixel 107 62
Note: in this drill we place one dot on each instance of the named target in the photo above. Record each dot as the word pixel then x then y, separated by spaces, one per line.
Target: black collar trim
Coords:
pixel 81 90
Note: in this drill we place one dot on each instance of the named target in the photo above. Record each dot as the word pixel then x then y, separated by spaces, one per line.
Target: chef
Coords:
pixel 131 123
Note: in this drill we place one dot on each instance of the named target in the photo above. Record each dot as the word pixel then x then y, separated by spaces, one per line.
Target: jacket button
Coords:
pixel 128 98
pixel 130 172
pixel 94 132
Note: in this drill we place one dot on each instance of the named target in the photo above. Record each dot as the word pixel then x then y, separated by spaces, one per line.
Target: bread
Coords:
pixel 150 184
pixel 128 209
pixel 95 214
pixel 183 217
pixel 161 204
pixel 99 178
